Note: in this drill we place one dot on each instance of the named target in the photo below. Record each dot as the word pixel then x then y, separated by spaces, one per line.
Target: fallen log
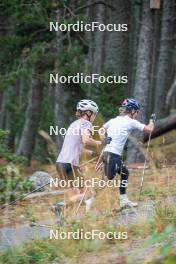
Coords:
pixel 163 126
pixel 41 194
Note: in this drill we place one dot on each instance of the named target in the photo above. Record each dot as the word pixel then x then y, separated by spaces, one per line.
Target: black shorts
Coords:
pixel 113 165
pixel 67 171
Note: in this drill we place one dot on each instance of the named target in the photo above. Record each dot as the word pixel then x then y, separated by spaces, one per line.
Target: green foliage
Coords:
pixel 37 253
pixel 165 214
pixel 163 242
pixel 12 183
pixel 47 251
pixel 166 241
pixel 26 39
pixel 27 27
pixel 71 60
pixel 3 138
pixel 5 152
pixel 12 186
pixel 110 102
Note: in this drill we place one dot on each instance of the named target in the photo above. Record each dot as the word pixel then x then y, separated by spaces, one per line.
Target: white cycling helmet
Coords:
pixel 87 105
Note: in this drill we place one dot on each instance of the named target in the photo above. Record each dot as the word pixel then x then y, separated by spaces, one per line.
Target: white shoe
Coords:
pixel 126 203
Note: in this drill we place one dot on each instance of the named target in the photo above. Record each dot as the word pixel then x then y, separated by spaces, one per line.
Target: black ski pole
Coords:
pixel 153 118
pixel 22 197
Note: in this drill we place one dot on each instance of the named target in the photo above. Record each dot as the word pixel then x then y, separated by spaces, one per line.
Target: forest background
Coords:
pixel 29 52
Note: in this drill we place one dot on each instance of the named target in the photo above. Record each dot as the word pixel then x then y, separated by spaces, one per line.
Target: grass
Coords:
pixel 159 185
pixel 160 248
pixel 61 251
pixel 46 251
pixel 165 214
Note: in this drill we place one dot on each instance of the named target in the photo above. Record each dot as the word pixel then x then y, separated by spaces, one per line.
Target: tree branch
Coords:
pixel 96 3
pixel 171 92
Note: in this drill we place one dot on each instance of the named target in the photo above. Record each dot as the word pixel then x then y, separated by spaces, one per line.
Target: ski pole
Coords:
pixel 106 141
pixel 87 162
pixel 24 196
pixel 153 118
pixel 99 160
pixel 77 209
pixel 144 168
pixel 84 194
pixel 81 165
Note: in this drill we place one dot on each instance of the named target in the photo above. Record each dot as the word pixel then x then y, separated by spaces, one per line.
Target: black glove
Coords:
pixel 106 140
pixel 153 118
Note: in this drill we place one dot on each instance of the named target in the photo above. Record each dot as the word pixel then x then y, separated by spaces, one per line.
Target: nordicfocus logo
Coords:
pixel 80 234
pixel 80 182
pixel 89 79
pixel 62 131
pixel 80 26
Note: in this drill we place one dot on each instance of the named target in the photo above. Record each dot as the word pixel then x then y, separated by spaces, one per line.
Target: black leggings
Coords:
pixel 113 165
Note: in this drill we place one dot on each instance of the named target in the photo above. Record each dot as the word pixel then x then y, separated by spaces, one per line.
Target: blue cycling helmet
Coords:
pixel 131 104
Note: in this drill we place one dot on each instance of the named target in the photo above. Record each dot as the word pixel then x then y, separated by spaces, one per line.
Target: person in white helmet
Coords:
pixel 118 130
pixel 79 135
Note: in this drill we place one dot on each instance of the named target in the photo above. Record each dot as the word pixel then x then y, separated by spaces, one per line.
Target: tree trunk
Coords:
pixel 142 80
pixel 3 110
pixel 164 73
pixel 117 46
pixel 99 37
pixel 96 40
pixel 133 45
pixel 171 95
pixel 156 44
pixel 32 116
pixel 13 113
pixel 89 38
pixel 62 93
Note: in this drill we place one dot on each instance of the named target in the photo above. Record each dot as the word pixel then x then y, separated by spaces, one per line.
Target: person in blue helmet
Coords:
pixel 118 130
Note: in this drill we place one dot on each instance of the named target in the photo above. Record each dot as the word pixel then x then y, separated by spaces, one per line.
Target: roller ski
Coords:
pixel 58 210
pixel 125 204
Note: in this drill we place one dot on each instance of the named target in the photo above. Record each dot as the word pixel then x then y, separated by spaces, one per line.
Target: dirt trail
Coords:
pixel 102 258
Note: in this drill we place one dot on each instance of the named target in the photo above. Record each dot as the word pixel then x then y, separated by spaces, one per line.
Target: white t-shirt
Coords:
pixel 119 129
pixel 73 145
